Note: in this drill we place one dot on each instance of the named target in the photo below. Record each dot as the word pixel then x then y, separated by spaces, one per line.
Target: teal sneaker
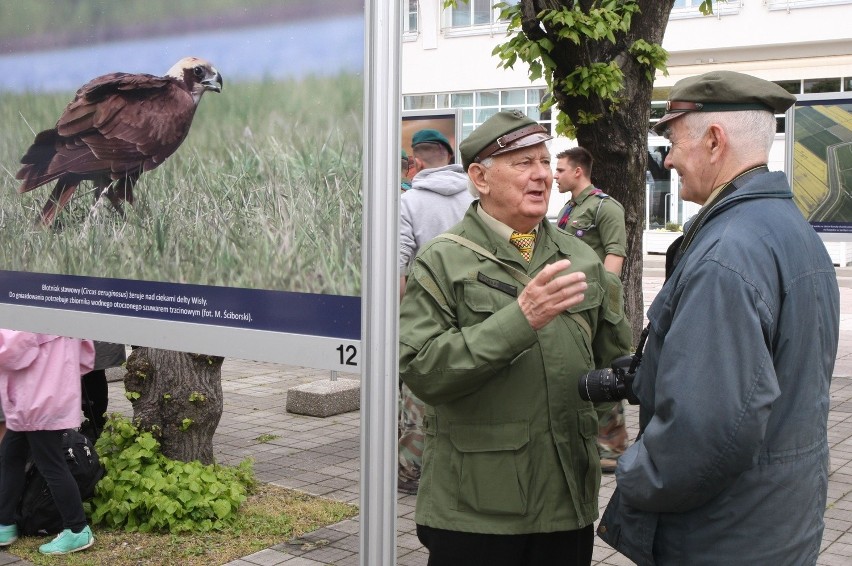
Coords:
pixel 8 534
pixel 68 541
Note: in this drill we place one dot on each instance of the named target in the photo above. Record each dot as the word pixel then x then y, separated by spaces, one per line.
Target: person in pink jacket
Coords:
pixel 40 393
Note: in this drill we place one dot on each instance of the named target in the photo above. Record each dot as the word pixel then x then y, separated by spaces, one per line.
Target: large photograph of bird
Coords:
pixel 118 126
pixel 257 187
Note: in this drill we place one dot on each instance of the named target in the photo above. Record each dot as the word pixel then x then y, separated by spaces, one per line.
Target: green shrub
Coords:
pixel 143 490
pixel 673 227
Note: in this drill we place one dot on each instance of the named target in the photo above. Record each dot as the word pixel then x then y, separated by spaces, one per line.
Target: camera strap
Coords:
pixel 516 274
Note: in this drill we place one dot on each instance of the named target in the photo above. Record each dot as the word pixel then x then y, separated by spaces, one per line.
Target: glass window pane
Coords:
pixel 422 102
pixel 466 130
pixel 822 85
pixel 481 12
pixel 534 95
pixel 467 116
pixel 513 97
pixel 461 14
pixel 847 85
pixel 484 114
pixel 462 99
pixel 793 87
pixel 411 19
pixel 533 112
pixel 487 98
pixel 442 101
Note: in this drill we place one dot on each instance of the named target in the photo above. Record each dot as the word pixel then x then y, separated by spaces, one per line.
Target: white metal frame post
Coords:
pixel 380 283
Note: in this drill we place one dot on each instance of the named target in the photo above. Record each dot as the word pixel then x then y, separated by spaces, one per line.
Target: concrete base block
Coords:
pixel 325 398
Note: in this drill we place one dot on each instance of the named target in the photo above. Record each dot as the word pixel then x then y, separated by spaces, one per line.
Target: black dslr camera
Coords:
pixel 615 383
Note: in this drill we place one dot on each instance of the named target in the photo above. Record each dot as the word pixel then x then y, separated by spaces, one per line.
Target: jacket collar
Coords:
pixel 548 241
pixel 583 195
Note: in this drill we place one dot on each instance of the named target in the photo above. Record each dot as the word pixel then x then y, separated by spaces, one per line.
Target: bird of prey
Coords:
pixel 118 126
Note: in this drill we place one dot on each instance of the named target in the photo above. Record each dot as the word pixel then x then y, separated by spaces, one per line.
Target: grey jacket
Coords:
pixel 732 463
pixel 437 200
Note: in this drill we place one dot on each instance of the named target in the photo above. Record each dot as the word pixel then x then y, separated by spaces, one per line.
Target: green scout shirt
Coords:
pixel 510 446
pixel 599 222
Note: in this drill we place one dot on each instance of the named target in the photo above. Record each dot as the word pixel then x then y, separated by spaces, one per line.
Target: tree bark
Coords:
pixel 619 140
pixel 177 396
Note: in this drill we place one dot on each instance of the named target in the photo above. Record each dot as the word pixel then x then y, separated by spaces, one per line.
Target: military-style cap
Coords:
pixel 431 136
pixel 724 91
pixel 503 132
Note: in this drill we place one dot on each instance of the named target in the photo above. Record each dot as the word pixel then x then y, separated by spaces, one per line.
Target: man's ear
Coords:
pixel 478 176
pixel 716 142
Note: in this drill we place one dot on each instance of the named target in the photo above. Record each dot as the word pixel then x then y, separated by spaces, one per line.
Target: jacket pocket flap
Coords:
pixel 489 437
pixel 592 297
pixel 481 298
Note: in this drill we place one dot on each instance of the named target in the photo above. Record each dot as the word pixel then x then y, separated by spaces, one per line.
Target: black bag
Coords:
pixel 37 512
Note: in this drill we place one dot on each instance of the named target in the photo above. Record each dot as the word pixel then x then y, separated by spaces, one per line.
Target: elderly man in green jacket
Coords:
pixel 501 316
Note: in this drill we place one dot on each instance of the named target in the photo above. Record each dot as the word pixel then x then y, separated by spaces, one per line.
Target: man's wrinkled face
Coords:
pixel 690 157
pixel 517 187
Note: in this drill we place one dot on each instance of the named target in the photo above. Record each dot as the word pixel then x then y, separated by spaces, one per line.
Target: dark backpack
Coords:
pixel 37 512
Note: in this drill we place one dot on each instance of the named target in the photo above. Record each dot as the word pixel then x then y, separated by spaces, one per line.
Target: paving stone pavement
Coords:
pixel 320 456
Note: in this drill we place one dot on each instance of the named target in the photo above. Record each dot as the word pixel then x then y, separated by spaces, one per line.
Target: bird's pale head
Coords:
pixel 198 74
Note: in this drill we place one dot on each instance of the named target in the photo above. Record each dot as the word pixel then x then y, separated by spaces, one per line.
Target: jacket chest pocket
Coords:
pixel 582 223
pixel 481 300
pixel 491 466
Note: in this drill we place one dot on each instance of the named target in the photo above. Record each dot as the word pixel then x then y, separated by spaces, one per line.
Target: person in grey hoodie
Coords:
pixel 437 200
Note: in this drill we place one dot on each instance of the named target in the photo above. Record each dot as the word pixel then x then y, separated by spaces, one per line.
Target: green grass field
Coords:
pixel 265 193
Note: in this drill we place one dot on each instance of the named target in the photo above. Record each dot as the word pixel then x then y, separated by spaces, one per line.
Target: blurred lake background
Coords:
pixel 314 44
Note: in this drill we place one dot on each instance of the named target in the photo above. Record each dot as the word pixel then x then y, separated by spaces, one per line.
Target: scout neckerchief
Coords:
pixel 566 216
pixel 679 246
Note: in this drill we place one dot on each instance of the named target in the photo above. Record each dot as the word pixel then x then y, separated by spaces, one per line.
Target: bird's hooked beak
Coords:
pixel 213 82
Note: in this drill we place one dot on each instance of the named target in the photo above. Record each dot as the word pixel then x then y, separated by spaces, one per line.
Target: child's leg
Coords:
pixel 46 449
pixel 13 455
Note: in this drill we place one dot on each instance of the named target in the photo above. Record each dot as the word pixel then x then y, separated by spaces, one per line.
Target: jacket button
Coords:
pixel 601 529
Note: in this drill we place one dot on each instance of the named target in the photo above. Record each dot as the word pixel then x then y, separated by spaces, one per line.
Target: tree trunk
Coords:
pixel 618 141
pixel 177 396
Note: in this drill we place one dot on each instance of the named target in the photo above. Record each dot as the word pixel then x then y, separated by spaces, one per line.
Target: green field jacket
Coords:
pixel 510 446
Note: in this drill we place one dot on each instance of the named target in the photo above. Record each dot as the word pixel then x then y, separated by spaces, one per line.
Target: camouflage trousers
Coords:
pixel 612 431
pixel 411 411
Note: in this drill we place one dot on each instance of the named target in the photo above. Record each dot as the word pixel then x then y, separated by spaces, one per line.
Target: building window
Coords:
pixel 683 9
pixel 480 14
pixel 793 4
pixel 480 105
pixel 793 87
pixel 471 13
pixel 811 86
pixel 409 16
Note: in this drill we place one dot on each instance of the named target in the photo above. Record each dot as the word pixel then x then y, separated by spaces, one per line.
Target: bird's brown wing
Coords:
pixel 115 124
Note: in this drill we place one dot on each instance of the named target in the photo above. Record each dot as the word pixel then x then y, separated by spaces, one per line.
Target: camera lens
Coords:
pixel 598 386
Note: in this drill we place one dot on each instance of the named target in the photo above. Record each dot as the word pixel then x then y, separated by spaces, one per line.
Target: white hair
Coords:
pixel 471 187
pixel 750 132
